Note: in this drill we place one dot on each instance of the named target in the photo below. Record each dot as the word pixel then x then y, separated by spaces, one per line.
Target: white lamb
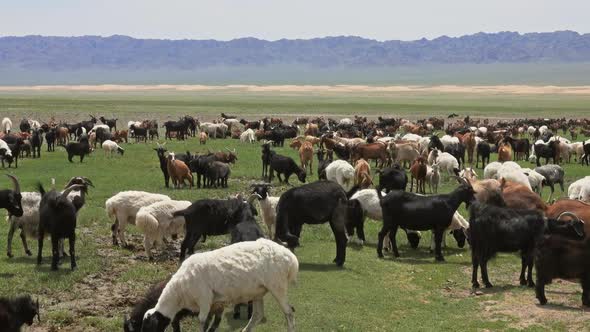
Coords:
pixel 341 172
pixel 124 206
pixel 156 222
pixel 6 125
pixel 536 179
pixel 110 147
pixel 247 136
pixel 433 177
pixel 237 273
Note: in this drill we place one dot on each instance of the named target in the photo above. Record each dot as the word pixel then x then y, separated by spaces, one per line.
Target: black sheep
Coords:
pixel 16 312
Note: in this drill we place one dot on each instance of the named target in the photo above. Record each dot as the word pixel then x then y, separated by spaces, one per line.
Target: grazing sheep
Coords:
pixel 178 171
pixel 341 172
pixel 491 170
pixel 124 206
pixel 6 125
pixel 156 222
pixel 256 267
pixel 458 228
pixel 16 312
pixel 110 147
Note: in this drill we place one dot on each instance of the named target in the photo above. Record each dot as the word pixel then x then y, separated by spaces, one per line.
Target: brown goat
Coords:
pixel 63 135
pixel 311 129
pixel 504 152
pixel 418 172
pixel 362 174
pixel 203 137
pixel 469 142
pixel 579 208
pixel 178 171
pixel 120 135
pixel 376 151
pixel 306 156
pixel 295 145
pixel 518 196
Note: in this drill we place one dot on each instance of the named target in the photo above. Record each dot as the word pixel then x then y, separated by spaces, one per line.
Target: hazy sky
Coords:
pixel 275 19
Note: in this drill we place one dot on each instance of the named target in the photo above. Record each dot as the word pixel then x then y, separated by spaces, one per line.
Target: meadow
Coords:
pixel 412 292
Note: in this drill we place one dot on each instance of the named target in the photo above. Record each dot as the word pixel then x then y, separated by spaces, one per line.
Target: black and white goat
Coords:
pixel 420 213
pixel 16 312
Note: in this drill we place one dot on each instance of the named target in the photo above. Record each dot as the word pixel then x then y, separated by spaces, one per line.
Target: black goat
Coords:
pixel 11 199
pixel 160 152
pixel 419 213
pixel 16 312
pixel 315 203
pixel 200 165
pixel 457 151
pixel 482 150
pixel 36 143
pixel 217 174
pixel 585 158
pixel 134 322
pixel 286 166
pixel 494 229
pixel 558 256
pixel 435 143
pixel 25 126
pixel 209 217
pixel 57 216
pixel 547 151
pixel 16 149
pixel 267 154
pixel 50 137
pixel 323 162
pixel 392 178
pixel 112 123
pixel 81 148
pixel 139 133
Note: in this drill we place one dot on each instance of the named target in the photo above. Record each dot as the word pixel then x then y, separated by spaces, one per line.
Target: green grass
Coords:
pixel 412 292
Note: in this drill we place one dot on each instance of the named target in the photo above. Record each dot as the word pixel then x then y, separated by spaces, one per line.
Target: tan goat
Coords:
pixel 306 156
pixel 178 171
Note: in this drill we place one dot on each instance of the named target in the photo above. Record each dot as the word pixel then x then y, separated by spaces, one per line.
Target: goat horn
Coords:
pixel 70 188
pixel 571 214
pixel 15 182
pixel 252 197
pixel 227 149
pixel 88 182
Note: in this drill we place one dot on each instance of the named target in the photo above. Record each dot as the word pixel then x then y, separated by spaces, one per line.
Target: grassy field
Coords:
pixel 368 294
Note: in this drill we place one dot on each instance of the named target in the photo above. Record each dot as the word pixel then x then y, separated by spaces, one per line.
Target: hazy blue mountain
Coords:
pixel 121 52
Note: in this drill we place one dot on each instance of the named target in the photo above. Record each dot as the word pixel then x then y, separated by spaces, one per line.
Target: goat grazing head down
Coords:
pixel 11 199
pixel 24 309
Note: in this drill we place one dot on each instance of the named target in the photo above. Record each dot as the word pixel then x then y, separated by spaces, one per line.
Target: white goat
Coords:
pixel 156 222
pixel 433 177
pixel 124 206
pixel 579 189
pixel 6 125
pixel 448 163
pixel 247 136
pixel 447 141
pixel 237 273
pixel 98 126
pixel 268 207
pixel 341 172
pixel 491 169
pixel 512 171
pixel 536 179
pixel 110 147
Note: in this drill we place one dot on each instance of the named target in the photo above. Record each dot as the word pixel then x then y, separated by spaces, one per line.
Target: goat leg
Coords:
pixel 438 235
pixel 10 235
pixel 72 242
pixel 540 291
pixel 392 240
pixel 523 265
pixel 23 238
pixel 54 252
pixel 484 273
pixel 381 236
pixel 40 246
pixel 530 263
pixel 475 265
pixel 586 290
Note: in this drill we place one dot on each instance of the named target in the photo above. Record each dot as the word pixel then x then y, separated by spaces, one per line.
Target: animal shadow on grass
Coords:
pixel 562 307
pixel 317 267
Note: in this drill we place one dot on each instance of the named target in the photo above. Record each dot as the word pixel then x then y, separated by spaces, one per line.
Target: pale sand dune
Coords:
pixel 464 89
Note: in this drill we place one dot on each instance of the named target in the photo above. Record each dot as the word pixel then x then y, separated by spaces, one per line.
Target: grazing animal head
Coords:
pixel 154 321
pixel 261 189
pixel 301 174
pixel 13 198
pixel 460 237
pixel 414 239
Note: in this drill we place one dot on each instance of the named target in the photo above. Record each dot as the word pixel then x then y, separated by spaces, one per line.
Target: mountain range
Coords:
pixel 125 53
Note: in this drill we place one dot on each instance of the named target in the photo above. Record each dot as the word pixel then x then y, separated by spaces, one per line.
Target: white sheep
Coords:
pixel 156 222
pixel 237 273
pixel 491 169
pixel 578 187
pixel 411 137
pixel 110 147
pixel 341 172
pixel 536 179
pixel 512 171
pixel 448 163
pixel 247 136
pixel 4 146
pixel 6 125
pixel 543 129
pixel 531 130
pixel 124 206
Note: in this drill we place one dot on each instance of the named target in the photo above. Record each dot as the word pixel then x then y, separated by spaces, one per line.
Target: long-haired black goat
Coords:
pixel 57 216
pixel 15 312
pixel 420 213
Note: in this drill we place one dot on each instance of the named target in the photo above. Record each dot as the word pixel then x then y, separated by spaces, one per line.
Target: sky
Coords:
pixel 276 19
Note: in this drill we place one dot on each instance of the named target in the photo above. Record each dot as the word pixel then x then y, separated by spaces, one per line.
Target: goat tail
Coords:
pixel 146 223
pixel 40 189
pixel 293 271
